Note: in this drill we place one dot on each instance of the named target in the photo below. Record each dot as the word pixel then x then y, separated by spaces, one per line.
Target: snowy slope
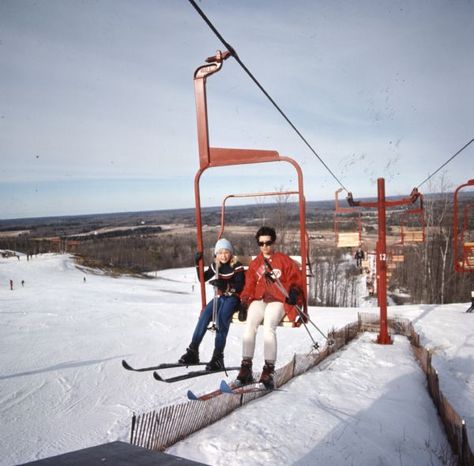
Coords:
pixel 63 387
pixel 347 411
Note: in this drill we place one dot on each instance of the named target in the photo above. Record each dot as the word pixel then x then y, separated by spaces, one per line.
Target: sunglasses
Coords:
pixel 264 243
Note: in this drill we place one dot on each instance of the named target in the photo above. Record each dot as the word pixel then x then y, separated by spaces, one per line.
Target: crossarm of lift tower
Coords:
pixel 411 199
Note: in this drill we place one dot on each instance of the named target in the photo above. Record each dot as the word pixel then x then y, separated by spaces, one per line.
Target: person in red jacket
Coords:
pixel 263 301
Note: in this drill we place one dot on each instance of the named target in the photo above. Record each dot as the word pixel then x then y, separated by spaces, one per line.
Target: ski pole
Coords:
pixel 213 327
pixel 280 286
pixel 329 340
pixel 315 343
pixel 303 315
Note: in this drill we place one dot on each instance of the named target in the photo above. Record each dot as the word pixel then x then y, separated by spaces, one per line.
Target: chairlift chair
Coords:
pixel 467 237
pixel 463 246
pixel 350 217
pixel 211 157
pixel 412 224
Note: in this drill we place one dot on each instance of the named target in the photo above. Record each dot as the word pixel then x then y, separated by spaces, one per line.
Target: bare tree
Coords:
pixel 428 273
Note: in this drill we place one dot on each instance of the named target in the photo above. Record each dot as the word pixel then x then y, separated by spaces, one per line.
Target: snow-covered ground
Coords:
pixel 62 387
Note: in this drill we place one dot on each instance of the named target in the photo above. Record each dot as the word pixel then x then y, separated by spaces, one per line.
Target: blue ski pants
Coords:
pixel 226 306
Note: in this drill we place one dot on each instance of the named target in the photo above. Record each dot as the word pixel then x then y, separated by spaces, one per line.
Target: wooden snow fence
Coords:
pixel 454 424
pixel 158 430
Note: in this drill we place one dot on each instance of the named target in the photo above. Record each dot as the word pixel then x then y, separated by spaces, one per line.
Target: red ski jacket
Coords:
pixel 259 287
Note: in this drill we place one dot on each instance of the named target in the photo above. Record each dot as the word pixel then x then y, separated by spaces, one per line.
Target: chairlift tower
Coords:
pixel 381 249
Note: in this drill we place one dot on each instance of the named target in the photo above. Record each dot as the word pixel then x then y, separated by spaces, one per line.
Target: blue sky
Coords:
pixel 97 107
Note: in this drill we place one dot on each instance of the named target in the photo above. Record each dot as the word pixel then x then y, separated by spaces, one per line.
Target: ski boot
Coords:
pixel 472 303
pixel 245 374
pixel 267 375
pixel 191 356
pixel 216 363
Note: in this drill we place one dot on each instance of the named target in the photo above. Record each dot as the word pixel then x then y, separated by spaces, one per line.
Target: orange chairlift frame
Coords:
pixel 381 249
pixel 347 239
pixel 265 194
pixel 463 249
pixel 232 196
pixel 467 243
pixel 210 157
pixel 410 234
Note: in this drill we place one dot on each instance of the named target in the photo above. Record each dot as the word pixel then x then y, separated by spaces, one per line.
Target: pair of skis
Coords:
pixel 177 378
pixel 224 387
pixel 231 389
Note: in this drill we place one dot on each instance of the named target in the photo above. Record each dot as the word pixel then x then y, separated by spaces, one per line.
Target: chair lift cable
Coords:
pixel 445 163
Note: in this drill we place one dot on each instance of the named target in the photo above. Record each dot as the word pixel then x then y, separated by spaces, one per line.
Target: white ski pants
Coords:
pixel 270 314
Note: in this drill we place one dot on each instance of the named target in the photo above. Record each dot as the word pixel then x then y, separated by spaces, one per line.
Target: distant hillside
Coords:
pixel 319 216
pixel 316 212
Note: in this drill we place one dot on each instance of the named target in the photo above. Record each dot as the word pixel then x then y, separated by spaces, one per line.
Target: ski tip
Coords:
pixel 157 376
pixel 191 396
pixel 126 365
pixel 224 387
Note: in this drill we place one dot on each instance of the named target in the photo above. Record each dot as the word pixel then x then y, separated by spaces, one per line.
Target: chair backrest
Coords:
pixel 413 236
pixel 468 256
pixel 348 240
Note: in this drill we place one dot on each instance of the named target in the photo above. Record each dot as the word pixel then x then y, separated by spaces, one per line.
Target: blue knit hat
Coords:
pixel 223 244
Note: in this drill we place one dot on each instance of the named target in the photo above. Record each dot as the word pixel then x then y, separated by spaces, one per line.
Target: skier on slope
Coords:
pixel 229 282
pixel 359 256
pixel 264 302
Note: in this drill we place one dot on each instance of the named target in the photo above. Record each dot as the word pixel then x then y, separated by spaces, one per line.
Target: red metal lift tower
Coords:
pixel 381 249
